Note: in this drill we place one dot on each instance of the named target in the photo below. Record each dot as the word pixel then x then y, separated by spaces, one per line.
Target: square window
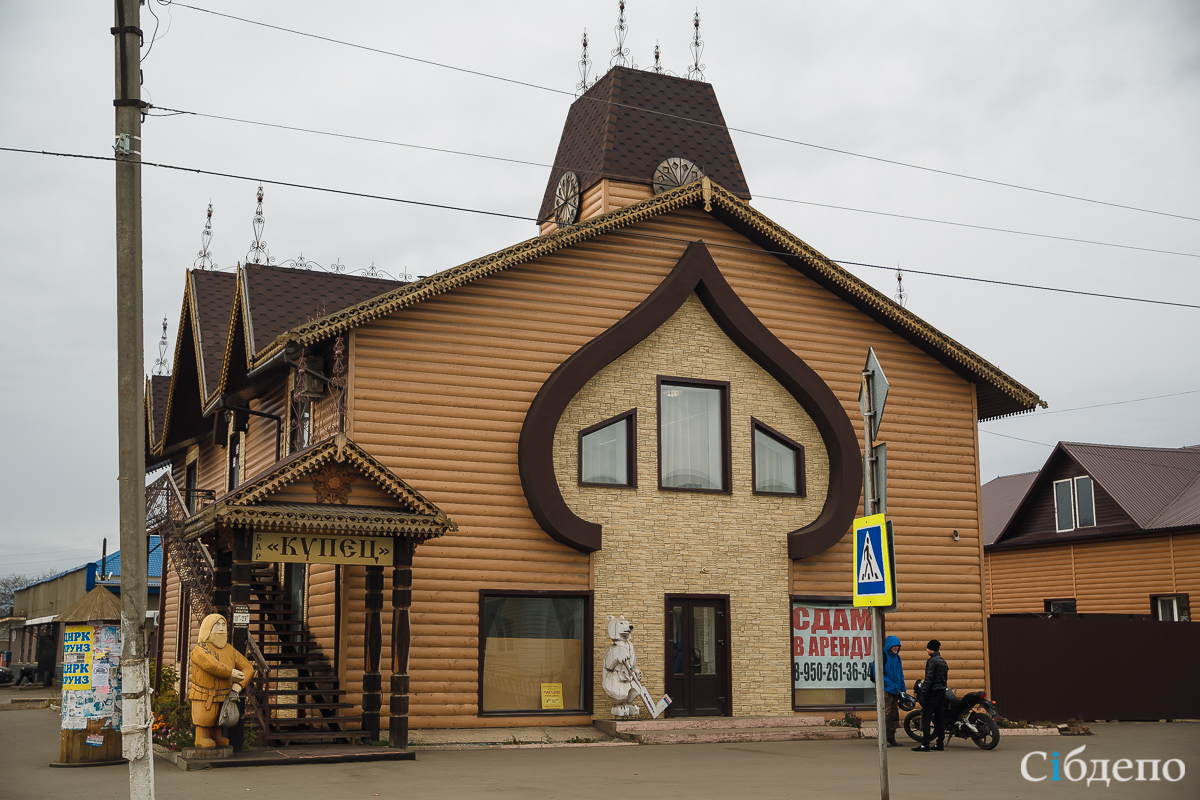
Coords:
pixel 1060 606
pixel 693 435
pixel 607 452
pixel 535 653
pixel 1170 607
pixel 778 462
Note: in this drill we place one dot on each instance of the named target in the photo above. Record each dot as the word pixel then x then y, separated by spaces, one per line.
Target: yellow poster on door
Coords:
pixel 552 695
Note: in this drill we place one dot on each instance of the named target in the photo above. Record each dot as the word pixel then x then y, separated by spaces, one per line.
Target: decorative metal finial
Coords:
pixel 203 259
pixel 161 367
pixel 258 248
pixel 901 295
pixel 696 70
pixel 585 66
pixel 657 64
pixel 621 51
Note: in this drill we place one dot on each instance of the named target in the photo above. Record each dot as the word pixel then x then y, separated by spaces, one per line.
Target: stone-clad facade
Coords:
pixel 670 542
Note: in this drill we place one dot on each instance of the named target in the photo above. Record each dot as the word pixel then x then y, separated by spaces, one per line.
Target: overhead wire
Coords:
pixel 526 218
pixel 748 132
pixel 449 151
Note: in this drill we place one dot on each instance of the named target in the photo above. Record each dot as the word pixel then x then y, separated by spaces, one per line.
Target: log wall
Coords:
pixel 1114 576
pixel 440 394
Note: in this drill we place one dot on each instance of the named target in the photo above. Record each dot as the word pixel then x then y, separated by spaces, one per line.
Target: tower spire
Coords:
pixel 585 66
pixel 258 254
pixel 161 367
pixel 621 51
pixel 696 70
pixel 203 259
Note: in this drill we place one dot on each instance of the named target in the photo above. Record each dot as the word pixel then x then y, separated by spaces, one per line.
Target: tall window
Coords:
pixel 1074 504
pixel 778 462
pixel 607 452
pixel 189 484
pixel 535 653
pixel 693 428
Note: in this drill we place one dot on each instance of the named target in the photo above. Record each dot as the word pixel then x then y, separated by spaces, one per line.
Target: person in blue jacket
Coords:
pixel 893 686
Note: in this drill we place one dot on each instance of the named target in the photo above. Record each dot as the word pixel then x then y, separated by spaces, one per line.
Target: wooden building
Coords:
pixel 1099 529
pixel 649 410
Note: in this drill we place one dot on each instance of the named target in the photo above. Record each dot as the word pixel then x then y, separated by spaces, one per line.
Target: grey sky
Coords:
pixel 1094 99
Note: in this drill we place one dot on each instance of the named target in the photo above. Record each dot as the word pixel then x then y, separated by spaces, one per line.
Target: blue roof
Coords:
pixel 112 564
pixel 53 577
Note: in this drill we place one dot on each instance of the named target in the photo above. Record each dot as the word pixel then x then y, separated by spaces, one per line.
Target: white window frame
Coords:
pixel 1071 483
pixel 1075 500
pixel 1074 482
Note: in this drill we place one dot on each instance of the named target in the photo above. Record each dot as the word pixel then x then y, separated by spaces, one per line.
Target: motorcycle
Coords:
pixel 961 718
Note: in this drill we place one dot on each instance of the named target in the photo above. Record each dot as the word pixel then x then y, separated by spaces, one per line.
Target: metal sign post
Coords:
pixel 871 399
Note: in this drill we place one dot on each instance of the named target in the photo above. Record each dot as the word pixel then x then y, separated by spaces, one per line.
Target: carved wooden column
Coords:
pixel 222 562
pixel 372 680
pixel 239 597
pixel 401 637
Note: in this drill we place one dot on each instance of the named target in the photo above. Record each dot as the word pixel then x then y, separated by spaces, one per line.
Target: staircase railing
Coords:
pixel 166 512
pixel 257 700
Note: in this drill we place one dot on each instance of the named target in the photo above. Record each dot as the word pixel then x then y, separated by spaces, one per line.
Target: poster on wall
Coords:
pixel 77 658
pixel 831 647
pixel 91 670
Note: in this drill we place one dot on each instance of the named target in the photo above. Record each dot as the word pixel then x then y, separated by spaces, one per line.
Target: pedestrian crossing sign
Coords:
pixel 874 573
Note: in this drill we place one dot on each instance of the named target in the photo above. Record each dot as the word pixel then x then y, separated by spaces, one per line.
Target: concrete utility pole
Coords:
pixel 136 714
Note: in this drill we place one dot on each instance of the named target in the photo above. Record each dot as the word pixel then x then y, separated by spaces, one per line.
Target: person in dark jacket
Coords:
pixel 933 698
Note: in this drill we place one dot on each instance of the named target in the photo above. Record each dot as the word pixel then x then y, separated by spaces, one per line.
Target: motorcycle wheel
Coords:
pixel 989 731
pixel 912 725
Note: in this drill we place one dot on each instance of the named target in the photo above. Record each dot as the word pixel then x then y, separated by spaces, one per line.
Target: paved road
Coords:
pixel 840 769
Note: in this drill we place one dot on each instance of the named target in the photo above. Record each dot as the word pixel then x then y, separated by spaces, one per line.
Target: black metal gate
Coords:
pixel 1094 667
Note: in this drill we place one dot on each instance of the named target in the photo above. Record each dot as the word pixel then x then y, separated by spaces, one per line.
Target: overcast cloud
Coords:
pixel 1097 99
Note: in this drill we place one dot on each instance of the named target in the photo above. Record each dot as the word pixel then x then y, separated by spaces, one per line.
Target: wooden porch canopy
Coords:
pixel 350 493
pixel 331 503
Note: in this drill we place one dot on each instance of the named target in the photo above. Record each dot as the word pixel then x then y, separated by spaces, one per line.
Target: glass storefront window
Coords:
pixel 831 655
pixel 533 654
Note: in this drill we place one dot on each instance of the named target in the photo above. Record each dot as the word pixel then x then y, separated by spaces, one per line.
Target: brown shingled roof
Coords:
pixel 212 293
pixel 281 298
pixel 632 120
pixel 159 391
pixel 1001 497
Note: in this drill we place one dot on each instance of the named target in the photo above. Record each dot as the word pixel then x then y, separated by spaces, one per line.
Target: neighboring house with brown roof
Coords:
pixel 650 410
pixel 1099 529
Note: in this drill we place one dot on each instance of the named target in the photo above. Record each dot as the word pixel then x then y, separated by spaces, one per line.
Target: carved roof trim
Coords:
pixel 1004 395
pixel 342 520
pixel 338 448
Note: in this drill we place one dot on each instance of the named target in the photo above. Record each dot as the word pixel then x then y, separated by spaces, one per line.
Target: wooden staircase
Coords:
pixel 303 699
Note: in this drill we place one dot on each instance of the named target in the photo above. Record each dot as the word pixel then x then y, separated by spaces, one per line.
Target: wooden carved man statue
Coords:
pixel 217 667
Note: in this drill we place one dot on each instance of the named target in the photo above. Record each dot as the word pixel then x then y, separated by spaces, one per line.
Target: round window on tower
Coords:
pixel 566 200
pixel 675 172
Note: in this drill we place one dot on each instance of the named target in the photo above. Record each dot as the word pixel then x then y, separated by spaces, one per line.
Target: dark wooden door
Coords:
pixel 698 663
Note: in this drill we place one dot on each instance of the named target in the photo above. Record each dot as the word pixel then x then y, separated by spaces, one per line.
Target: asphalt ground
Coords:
pixel 809 769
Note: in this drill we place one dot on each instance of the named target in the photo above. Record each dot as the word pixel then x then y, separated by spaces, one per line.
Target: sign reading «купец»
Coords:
pixel 302 549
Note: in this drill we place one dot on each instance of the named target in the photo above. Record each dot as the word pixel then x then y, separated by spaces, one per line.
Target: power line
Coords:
pixel 524 218
pixel 393 143
pixel 748 132
pixel 1118 402
pixel 1018 438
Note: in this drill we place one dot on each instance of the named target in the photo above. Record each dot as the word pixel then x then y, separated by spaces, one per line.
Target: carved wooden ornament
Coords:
pixel 332 483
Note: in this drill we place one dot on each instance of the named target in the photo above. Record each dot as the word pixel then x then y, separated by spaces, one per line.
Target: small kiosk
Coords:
pixel 91 681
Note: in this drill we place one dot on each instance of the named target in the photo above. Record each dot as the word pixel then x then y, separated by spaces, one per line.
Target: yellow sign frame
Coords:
pixel 874 583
